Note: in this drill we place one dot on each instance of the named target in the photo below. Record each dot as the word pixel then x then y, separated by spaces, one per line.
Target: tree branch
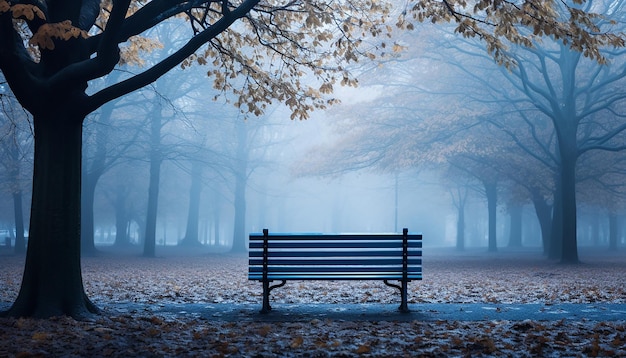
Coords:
pixel 153 73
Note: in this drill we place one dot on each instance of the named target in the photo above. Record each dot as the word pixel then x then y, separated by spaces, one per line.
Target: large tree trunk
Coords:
pixel 193 215
pixel 565 120
pixel 52 284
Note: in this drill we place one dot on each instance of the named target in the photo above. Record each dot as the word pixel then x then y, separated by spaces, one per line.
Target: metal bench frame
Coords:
pixel 289 256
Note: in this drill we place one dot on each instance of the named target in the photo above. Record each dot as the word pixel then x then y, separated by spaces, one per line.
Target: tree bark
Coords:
pixel 52 283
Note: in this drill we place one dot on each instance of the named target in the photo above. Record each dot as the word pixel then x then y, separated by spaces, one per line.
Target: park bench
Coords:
pixel 313 256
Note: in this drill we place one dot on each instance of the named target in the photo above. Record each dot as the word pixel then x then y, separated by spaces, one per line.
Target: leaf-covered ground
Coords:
pixel 474 277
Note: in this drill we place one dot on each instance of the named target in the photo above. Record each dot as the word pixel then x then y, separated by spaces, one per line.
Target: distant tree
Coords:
pixel 602 190
pixel 192 237
pixel 251 144
pixel 126 198
pixel 105 146
pixel 459 192
pixel 583 102
pixel 205 162
pixel 15 160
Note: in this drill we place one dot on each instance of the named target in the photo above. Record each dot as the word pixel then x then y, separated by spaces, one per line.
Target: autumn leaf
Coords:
pixel 264 330
pixel 61 30
pixel 363 349
pixel 398 48
pixel 156 320
pixel 40 336
pixel 4 6
pixel 297 342
pixel 27 11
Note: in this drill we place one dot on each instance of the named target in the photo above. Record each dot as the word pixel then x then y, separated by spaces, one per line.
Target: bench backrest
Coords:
pixel 312 256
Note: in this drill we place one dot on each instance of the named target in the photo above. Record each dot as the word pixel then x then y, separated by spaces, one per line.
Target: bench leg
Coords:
pixel 266 297
pixel 267 289
pixel 404 307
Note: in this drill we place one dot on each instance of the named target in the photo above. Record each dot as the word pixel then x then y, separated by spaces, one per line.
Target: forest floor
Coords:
pixel 171 306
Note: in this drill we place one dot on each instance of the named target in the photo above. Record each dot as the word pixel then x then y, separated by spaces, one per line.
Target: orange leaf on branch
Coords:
pixel 27 11
pixel 60 30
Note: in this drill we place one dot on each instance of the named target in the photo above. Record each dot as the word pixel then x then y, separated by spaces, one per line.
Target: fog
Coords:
pixel 279 199
pixel 439 140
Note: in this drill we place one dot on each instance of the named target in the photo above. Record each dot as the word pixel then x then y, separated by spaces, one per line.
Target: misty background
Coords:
pixel 428 139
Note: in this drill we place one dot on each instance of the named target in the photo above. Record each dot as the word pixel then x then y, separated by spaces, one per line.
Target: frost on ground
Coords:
pixel 448 277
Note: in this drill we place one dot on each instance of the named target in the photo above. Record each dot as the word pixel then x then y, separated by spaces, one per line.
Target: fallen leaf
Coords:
pixel 297 342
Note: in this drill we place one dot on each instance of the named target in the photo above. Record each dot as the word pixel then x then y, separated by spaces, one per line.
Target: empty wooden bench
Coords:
pixel 289 256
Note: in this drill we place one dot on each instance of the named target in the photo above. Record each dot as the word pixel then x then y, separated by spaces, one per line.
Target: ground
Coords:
pixel 131 289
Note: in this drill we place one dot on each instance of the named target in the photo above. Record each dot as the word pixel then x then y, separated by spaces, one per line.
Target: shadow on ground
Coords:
pixel 377 312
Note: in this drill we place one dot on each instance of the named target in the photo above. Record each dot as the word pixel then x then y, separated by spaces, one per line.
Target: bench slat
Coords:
pixel 388 244
pixel 335 262
pixel 328 244
pixel 294 269
pixel 364 253
pixel 340 276
pixel 321 236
